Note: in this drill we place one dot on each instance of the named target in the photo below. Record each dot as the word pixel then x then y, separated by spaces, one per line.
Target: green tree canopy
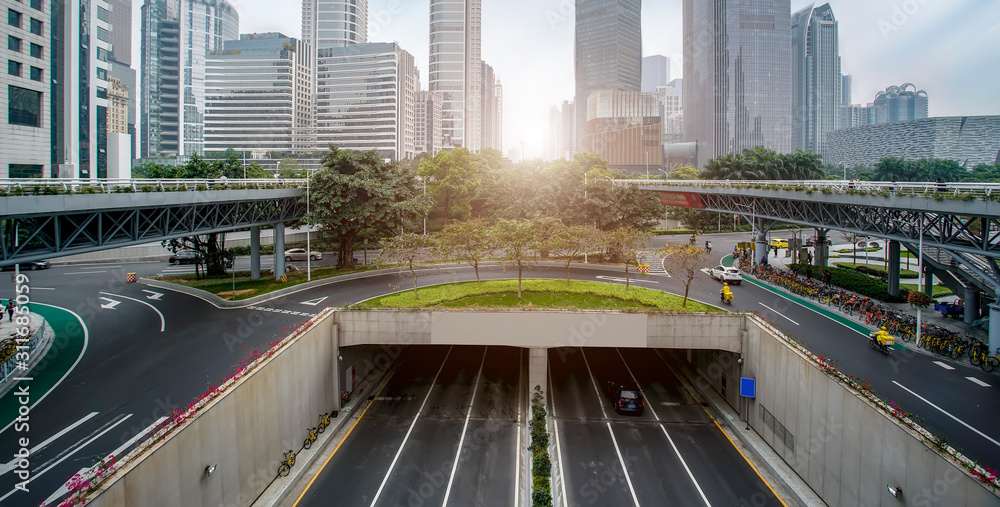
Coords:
pixel 452 179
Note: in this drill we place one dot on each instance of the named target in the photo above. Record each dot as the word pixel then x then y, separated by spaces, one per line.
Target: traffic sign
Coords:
pixel 748 387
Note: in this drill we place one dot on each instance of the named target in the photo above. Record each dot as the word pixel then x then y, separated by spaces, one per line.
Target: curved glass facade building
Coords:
pixel 816 78
pixel 334 23
pixel 455 71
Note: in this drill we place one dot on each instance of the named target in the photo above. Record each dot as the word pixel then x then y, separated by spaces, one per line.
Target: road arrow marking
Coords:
pixel 111 303
pixel 155 296
pixel 314 302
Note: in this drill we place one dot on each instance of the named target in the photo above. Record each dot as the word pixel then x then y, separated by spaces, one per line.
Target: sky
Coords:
pixel 948 48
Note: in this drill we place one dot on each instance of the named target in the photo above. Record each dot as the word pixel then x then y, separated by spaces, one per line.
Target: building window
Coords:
pixel 24 171
pixel 35 50
pixel 36 4
pixel 35 74
pixel 13 18
pixel 13 43
pixel 102 13
pixel 24 107
pixel 102 34
pixel 102 74
pixel 14 68
pixel 102 55
pixel 35 26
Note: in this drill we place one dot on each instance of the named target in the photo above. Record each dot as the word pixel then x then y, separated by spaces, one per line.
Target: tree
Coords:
pixel 574 240
pixel 288 167
pixel 611 206
pixel 623 244
pixel 359 191
pixel 684 261
pixel 452 178
pixel 210 249
pixel 517 243
pixel 684 173
pixel 408 248
pixel 470 241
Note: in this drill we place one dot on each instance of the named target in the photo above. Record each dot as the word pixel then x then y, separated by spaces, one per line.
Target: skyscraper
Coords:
pixel 845 90
pixel 177 35
pixel 655 72
pixel 607 50
pixel 120 38
pixel 567 131
pixel 334 23
pixel 427 125
pixel 737 76
pixel 816 78
pixel 552 140
pixel 899 103
pixel 455 70
pixel 491 93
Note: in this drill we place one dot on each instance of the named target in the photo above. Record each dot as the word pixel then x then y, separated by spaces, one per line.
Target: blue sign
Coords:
pixel 748 387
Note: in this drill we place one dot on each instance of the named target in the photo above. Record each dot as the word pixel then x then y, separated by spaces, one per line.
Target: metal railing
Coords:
pixel 56 186
pixel 930 188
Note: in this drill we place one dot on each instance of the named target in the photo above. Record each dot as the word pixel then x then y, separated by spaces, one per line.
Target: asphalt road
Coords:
pixel 131 374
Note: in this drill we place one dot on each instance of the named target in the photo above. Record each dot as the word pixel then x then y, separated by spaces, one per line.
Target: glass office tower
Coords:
pixel 456 70
pixel 816 78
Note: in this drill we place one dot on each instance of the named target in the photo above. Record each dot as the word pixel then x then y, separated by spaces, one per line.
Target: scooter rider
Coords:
pixel 883 337
pixel 727 295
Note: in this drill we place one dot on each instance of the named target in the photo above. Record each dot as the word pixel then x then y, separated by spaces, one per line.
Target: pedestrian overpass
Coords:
pixel 956 226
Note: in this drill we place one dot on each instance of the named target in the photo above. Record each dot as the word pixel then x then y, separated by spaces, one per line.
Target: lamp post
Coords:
pixel 308 243
pixel 585 199
pixel 666 209
pixel 647 164
pixel 920 272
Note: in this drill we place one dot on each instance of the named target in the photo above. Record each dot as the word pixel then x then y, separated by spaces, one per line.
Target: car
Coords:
pixel 299 254
pixel 31 266
pixel 185 257
pixel 727 274
pixel 625 396
pixel 779 243
pixel 811 241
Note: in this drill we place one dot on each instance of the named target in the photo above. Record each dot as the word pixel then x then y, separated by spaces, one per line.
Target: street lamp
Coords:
pixel 647 164
pixel 424 180
pixel 666 209
pixel 308 227
pixel 920 272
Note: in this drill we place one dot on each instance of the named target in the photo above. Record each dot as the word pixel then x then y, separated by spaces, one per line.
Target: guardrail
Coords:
pixel 950 190
pixel 57 186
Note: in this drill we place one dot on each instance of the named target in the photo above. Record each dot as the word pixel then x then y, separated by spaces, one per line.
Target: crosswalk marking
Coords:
pixel 655 262
pixel 278 310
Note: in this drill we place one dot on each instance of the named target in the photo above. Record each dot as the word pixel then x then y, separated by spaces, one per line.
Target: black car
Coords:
pixel 185 257
pixel 32 266
pixel 625 396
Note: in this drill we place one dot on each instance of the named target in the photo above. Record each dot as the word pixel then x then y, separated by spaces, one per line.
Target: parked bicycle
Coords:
pixel 286 464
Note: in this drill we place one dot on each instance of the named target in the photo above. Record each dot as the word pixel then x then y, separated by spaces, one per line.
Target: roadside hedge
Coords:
pixel 854 281
pixel 876 270
pixel 541 465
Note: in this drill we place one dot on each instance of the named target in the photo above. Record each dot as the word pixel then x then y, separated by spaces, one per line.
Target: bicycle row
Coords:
pixel 933 337
pixel 312 433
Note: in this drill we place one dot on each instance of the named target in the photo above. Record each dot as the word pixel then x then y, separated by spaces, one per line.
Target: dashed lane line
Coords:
pixel 945 366
pixel 974 380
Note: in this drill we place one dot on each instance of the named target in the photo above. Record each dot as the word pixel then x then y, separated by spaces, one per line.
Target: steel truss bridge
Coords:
pixel 959 223
pixel 50 218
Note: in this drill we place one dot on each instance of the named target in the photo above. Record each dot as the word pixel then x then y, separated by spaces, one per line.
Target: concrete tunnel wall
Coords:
pixel 844 447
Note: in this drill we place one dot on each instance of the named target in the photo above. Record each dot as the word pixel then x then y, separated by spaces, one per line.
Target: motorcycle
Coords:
pixel 726 297
pixel 874 344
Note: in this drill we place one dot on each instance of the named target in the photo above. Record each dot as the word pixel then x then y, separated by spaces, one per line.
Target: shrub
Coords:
pixel 854 281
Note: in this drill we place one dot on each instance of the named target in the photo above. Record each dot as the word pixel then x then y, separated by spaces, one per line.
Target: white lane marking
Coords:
pixel 97 267
pixel 963 423
pixel 314 302
pixel 622 280
pixel 163 322
pixel 69 452
pixel 555 433
pixel 42 288
pixel 84 272
pixel 399 451
pixel 155 296
pixel 86 341
pixel 7 467
pixel 779 314
pixel 945 366
pixel 974 380
pixel 465 428
pixel 593 381
pixel 111 303
pixel 662 427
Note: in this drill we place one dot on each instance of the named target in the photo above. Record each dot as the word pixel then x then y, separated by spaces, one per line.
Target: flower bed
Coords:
pixel 541 465
pixel 89 481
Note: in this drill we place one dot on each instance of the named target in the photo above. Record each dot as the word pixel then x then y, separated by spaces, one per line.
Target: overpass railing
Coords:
pixel 59 186
pixel 950 190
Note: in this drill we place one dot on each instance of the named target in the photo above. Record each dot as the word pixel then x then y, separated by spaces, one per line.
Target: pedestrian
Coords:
pixel 940 185
pixel 708 246
pixel 809 258
pixel 763 260
pixel 223 180
pixel 1 311
pixel 827 277
pixel 11 306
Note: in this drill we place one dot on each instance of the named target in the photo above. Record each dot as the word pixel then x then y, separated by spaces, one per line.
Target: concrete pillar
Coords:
pixel 335 367
pixel 928 280
pixel 821 251
pixel 971 298
pixel 994 327
pixel 892 254
pixel 538 369
pixel 255 253
pixel 761 247
pixel 279 250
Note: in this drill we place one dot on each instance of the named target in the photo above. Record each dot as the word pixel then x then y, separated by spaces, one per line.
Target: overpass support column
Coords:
pixel 994 328
pixel 892 253
pixel 538 369
pixel 255 253
pixel 971 298
pixel 929 281
pixel 761 246
pixel 821 250
pixel 279 250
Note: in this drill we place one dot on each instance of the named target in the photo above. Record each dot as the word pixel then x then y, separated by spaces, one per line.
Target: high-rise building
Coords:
pixel 498 117
pixel 258 95
pixel 427 127
pixel 671 100
pixel 655 72
pixel 177 36
pixel 552 139
pixel 607 50
pixel 567 131
pixel 816 77
pixel 120 38
pixel 737 76
pixel 491 115
pixel 625 129
pixel 26 123
pixel 854 115
pixel 334 23
pixel 455 70
pixel 845 90
pixel 900 103
pixel 118 107
pixel 365 99
pixel 119 140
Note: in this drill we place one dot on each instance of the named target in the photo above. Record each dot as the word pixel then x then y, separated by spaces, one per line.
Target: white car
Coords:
pixel 729 275
pixel 299 254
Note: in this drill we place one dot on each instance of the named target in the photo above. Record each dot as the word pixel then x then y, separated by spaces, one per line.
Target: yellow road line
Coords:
pixel 299 499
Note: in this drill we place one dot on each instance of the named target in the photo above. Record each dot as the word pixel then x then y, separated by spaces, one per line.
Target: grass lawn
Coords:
pixel 247 288
pixel 939 290
pixel 903 273
pixel 538 294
